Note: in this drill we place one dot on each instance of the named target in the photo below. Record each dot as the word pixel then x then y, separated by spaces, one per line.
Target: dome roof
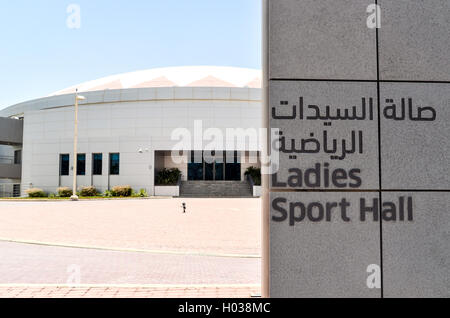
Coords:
pixel 185 76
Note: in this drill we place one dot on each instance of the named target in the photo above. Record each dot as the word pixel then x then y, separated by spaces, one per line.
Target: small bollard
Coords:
pixel 184 207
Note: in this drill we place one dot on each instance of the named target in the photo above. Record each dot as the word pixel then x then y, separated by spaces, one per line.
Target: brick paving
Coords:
pixel 210 227
pixel 35 264
pixel 128 292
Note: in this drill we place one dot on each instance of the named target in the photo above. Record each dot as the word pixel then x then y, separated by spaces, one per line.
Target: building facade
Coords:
pixel 130 127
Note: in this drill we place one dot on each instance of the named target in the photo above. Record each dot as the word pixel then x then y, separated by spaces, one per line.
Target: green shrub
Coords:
pixel 36 193
pixel 168 176
pixel 121 191
pixel 64 192
pixel 141 194
pixel 107 194
pixel 51 196
pixel 255 173
pixel 88 191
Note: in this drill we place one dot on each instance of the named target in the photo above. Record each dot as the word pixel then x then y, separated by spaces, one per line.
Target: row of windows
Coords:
pixel 97 164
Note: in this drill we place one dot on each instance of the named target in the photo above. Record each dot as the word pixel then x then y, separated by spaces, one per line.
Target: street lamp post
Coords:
pixel 74 196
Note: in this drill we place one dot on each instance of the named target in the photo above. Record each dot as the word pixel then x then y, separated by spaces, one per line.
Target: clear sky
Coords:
pixel 40 54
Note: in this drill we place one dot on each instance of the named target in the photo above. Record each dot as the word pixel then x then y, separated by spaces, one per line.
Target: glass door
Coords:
pixel 195 166
pixel 209 171
pixel 214 166
pixel 232 166
pixel 219 166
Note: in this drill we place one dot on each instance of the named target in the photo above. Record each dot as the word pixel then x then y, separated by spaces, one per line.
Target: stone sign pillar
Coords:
pixel 360 93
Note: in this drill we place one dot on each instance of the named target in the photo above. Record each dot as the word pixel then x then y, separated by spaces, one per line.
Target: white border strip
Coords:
pixel 118 249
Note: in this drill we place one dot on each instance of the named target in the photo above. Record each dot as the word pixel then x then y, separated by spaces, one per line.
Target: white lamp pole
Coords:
pixel 74 196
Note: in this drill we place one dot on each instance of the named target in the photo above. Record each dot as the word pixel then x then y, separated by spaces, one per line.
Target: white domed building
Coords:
pixel 125 132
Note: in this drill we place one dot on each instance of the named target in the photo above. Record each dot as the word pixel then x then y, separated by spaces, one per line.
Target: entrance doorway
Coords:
pixel 214 166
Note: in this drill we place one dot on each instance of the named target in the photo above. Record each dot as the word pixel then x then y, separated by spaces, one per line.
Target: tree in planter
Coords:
pixel 168 176
pixel 255 173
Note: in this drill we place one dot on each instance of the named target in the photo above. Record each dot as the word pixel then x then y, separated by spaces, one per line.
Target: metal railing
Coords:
pixel 9 190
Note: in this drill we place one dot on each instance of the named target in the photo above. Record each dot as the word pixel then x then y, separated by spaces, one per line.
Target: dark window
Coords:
pixel 18 157
pixel 81 164
pixel 114 163
pixel 16 190
pixel 97 162
pixel 64 165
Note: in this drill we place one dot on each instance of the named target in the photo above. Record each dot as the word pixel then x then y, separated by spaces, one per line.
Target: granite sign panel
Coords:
pixel 415 136
pixel 416 257
pixel 358 93
pixel 327 135
pixel 321 244
pixel 414 40
pixel 320 40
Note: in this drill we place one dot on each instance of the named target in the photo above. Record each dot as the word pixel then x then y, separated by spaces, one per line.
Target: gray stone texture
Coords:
pixel 324 259
pixel 321 39
pixel 416 256
pixel 10 171
pixel 414 41
pixel 342 95
pixel 416 154
pixel 329 40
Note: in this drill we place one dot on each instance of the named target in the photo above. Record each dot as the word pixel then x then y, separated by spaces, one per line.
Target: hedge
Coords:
pixel 255 173
pixel 36 193
pixel 88 191
pixel 121 191
pixel 168 176
pixel 64 192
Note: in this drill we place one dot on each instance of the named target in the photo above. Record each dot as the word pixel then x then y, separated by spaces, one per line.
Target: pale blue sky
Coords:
pixel 39 54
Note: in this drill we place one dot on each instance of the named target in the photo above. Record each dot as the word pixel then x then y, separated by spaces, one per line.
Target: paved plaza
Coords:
pixel 227 226
pixel 127 248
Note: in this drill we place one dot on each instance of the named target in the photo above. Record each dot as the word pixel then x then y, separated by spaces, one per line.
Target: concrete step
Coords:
pixel 215 189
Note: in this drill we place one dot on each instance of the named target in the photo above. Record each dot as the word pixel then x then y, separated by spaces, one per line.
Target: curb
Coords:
pixel 135 285
pixel 83 200
pixel 112 249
